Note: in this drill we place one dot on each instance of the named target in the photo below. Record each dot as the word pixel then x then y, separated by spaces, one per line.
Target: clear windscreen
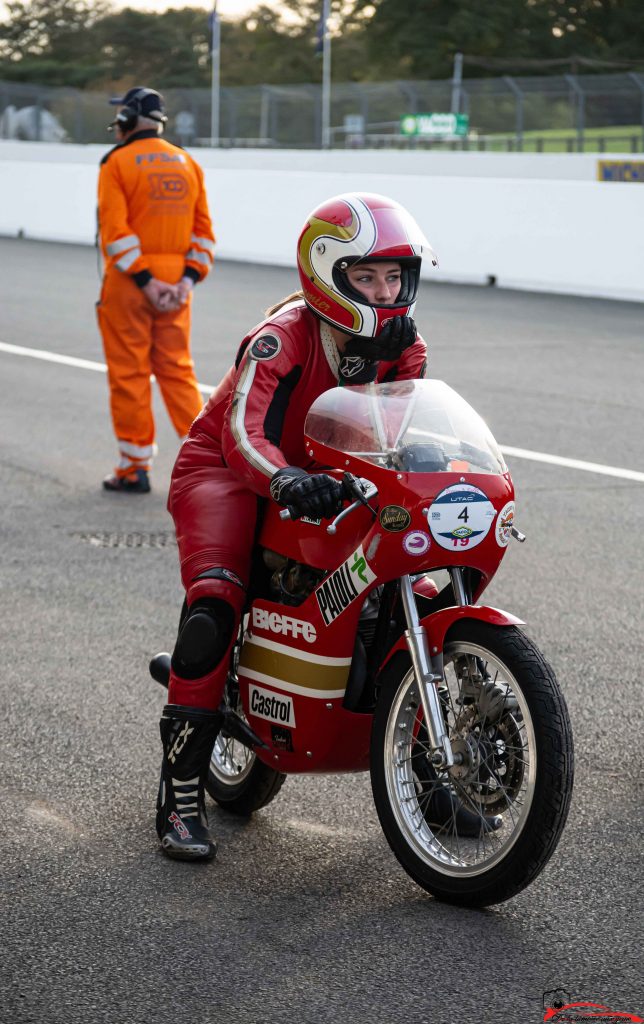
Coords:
pixel 412 426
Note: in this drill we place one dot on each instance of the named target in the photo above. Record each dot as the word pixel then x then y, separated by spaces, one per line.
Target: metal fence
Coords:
pixel 558 112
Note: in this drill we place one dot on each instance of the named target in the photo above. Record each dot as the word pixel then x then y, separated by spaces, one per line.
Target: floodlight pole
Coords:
pixel 214 81
pixel 457 80
pixel 326 76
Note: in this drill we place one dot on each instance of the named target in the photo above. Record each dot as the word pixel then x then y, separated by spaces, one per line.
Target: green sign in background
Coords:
pixel 435 124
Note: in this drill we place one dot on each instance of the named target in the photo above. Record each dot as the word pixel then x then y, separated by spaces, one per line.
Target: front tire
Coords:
pixel 508 722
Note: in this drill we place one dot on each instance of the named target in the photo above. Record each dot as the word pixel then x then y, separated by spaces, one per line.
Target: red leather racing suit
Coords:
pixel 252 426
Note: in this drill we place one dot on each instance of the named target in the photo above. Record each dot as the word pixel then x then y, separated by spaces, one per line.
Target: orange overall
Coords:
pixel 153 222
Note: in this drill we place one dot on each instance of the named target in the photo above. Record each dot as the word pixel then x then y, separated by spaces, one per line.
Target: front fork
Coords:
pixel 429 669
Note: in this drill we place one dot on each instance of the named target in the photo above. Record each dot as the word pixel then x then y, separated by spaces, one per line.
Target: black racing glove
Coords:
pixel 354 370
pixel 397 335
pixel 306 494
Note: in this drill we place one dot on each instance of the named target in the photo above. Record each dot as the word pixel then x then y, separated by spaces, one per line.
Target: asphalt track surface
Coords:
pixel 305 917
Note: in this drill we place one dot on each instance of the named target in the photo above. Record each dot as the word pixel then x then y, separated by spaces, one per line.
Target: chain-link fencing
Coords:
pixel 602 112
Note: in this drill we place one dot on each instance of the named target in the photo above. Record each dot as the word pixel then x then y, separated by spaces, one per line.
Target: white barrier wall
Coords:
pixel 533 221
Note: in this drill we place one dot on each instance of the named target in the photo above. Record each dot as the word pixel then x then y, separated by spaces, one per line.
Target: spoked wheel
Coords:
pixel 480 831
pixel 237 780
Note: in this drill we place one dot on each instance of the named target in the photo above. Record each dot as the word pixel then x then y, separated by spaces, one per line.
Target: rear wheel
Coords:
pixel 509 729
pixel 237 780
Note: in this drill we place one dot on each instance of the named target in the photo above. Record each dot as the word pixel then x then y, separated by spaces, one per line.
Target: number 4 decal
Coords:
pixel 461 516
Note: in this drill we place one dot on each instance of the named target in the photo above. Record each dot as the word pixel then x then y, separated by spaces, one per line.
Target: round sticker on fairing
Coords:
pixel 460 517
pixel 504 525
pixel 416 543
pixel 394 518
pixel 267 346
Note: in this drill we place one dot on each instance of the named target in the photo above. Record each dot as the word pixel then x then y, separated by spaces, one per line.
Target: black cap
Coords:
pixel 144 102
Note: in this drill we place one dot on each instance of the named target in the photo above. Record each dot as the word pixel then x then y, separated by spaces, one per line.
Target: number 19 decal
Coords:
pixel 461 517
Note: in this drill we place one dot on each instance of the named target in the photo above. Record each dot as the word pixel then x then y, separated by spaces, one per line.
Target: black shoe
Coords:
pixel 137 482
pixel 188 736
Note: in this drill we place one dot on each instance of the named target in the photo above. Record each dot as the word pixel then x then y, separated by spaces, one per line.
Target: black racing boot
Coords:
pixel 188 736
pixel 450 817
pixel 444 812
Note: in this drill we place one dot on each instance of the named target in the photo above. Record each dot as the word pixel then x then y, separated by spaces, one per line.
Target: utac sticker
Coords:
pixel 460 517
pixel 267 346
pixel 504 525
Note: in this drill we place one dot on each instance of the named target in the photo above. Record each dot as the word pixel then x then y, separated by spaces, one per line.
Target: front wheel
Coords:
pixel 477 833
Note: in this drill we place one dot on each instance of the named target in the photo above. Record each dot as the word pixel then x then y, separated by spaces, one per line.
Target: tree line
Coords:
pixel 91 45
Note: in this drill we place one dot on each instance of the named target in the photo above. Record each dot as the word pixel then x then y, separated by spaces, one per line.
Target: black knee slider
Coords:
pixel 204 636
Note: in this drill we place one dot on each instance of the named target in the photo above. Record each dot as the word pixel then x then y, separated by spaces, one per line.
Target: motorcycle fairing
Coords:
pixel 296 682
pixel 307 541
pixel 293 672
pixel 292 669
pixel 388 553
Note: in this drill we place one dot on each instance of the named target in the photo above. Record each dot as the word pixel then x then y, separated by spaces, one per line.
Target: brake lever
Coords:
pixel 353 485
pixel 332 527
pixel 354 488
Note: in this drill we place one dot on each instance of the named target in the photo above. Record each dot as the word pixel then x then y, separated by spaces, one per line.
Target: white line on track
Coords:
pixel 587 467
pixel 81 364
pixel 52 357
pixel 207 389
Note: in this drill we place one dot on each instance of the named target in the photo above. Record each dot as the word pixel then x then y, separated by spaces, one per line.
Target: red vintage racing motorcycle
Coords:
pixel 350 658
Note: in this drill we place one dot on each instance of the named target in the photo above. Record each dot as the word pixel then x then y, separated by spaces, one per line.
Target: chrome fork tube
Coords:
pixel 427 679
pixel 458 586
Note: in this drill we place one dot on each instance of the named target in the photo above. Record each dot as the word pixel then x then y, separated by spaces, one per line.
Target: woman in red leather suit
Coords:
pixel 359 259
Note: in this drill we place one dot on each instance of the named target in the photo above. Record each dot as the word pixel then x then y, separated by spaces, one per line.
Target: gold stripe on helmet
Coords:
pixel 316 232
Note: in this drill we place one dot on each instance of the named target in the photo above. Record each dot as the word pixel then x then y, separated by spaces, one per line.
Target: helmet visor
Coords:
pixel 398 235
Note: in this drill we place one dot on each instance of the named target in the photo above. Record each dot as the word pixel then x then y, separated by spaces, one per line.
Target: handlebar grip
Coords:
pixel 352 491
pixel 289 513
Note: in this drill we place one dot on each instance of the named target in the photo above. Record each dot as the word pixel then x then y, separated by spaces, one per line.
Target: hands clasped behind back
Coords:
pixel 166 297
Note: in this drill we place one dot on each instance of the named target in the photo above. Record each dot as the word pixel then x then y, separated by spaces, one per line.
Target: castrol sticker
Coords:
pixel 460 517
pixel 275 707
pixel 504 525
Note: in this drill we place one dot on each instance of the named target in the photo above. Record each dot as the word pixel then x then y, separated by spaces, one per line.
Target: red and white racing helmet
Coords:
pixel 359 227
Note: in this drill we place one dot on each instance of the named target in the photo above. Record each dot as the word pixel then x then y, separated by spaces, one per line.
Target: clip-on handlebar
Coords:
pixel 353 487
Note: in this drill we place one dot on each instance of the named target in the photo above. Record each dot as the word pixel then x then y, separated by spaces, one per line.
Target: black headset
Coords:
pixel 128 116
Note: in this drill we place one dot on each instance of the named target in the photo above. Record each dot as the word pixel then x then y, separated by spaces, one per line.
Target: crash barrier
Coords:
pixel 539 232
